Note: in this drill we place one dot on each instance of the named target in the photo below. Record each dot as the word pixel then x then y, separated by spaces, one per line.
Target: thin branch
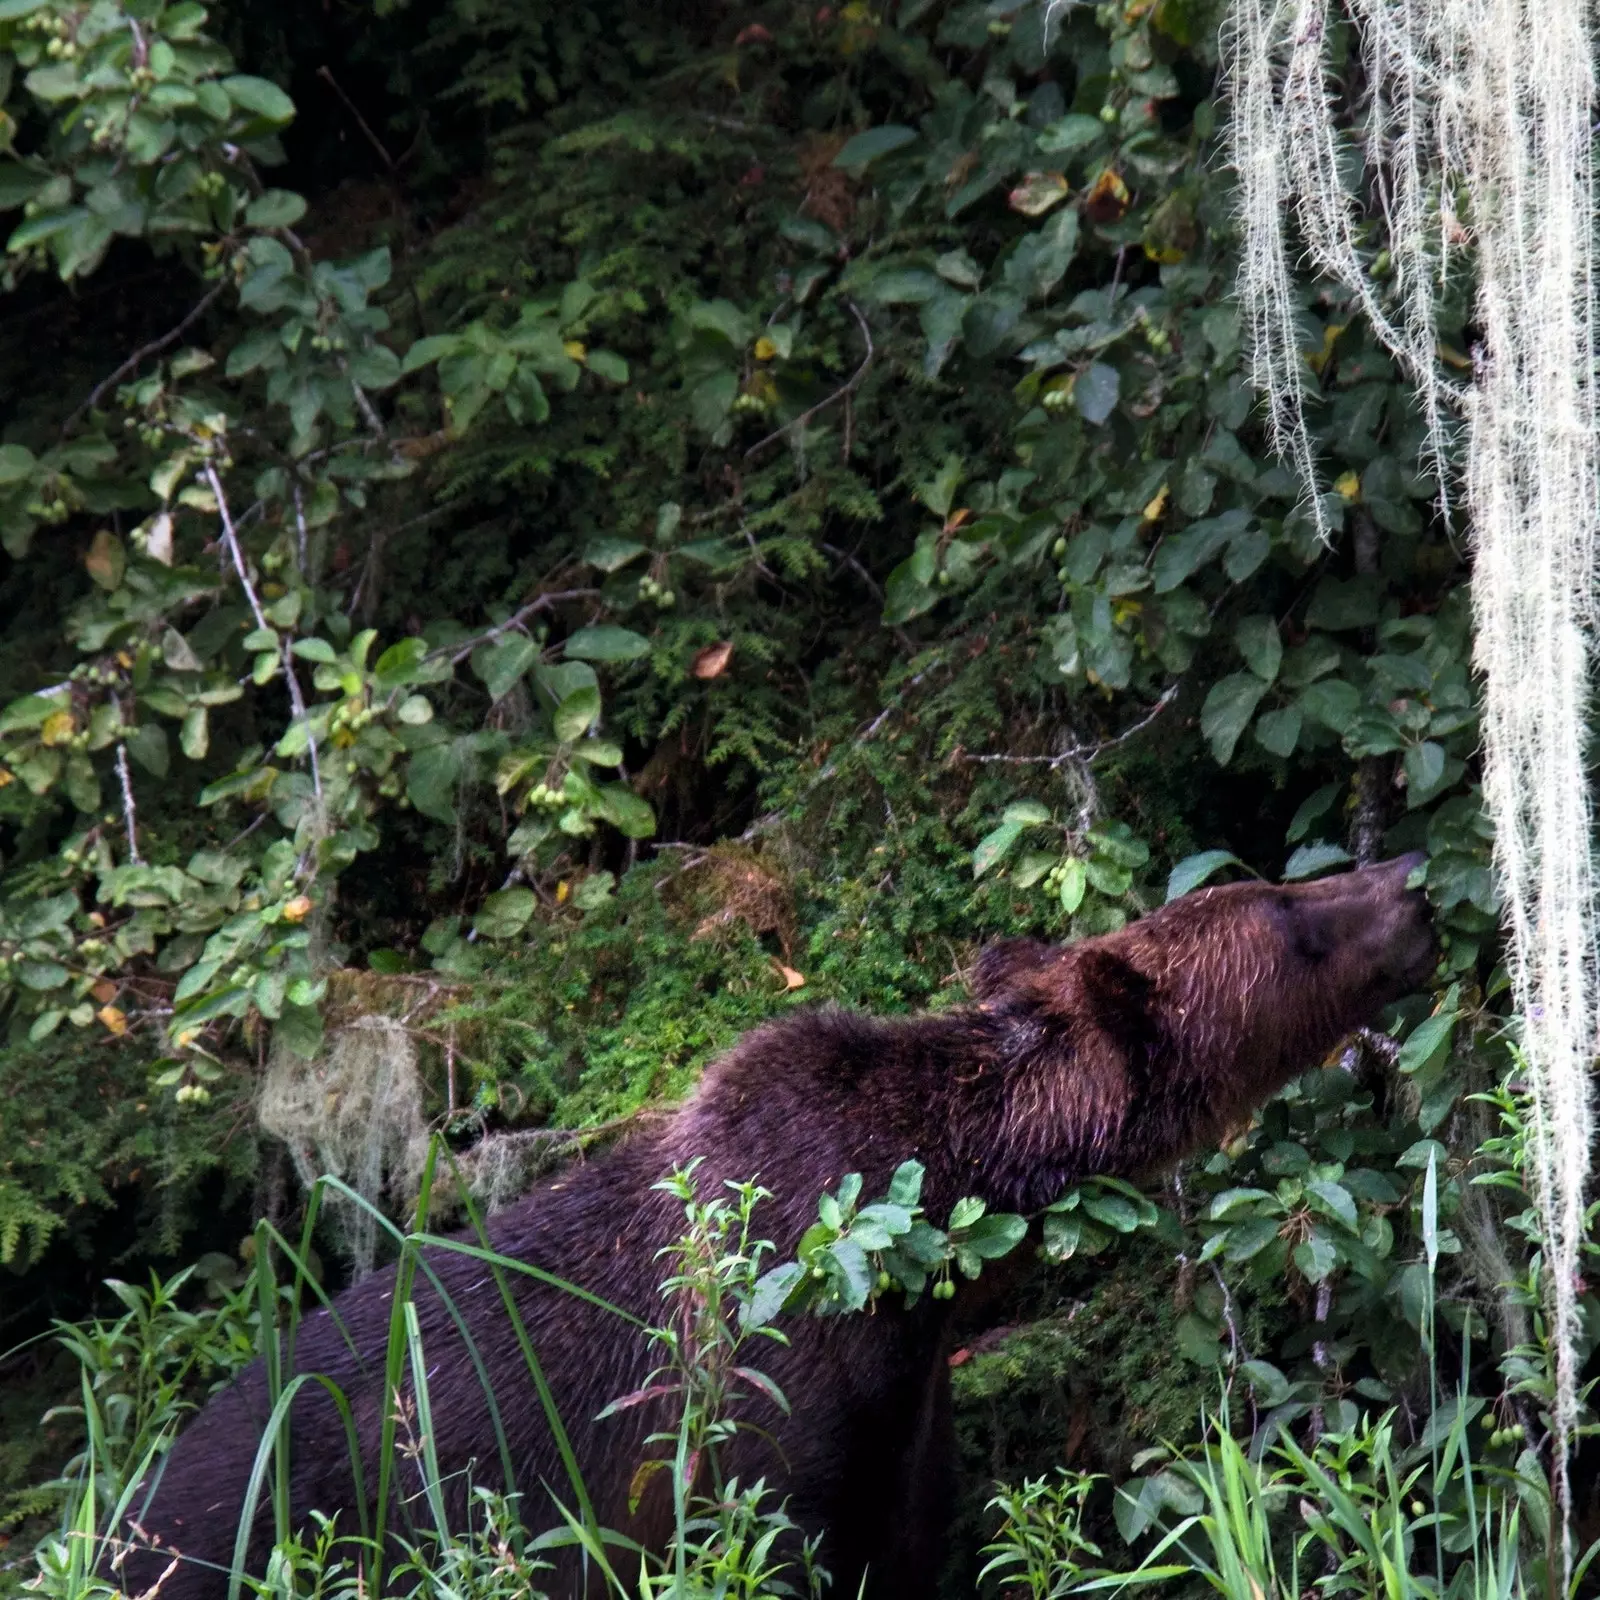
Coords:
pixel 350 105
pixel 130 817
pixel 296 698
pixel 459 652
pixel 856 380
pixel 847 560
pixel 1084 752
pixel 140 356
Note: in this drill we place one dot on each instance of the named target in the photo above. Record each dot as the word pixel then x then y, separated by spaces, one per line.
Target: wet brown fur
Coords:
pixel 1115 1055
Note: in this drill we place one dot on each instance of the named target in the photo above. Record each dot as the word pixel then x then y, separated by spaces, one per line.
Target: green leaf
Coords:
pixel 41 974
pixel 1074 884
pixel 611 554
pixel 1310 859
pixel 1335 1199
pixel 1279 731
pixel 1316 1256
pixel 147 745
pixel 16 464
pixel 626 811
pixel 431 782
pixel 1096 392
pixel 994 847
pixel 869 146
pixel 300 1029
pixel 504 915
pixel 771 1294
pixel 1261 646
pixel 576 714
pixel 501 664
pixel 1194 870
pixel 1113 1210
pixel 315 650
pixel 1332 702
pixel 1072 132
pixel 1424 768
pixel 29 712
pixel 1247 1239
pixel 907 594
pixel 1429 1040
pixel 995 1235
pixel 607 643
pixel 1227 712
pixel 19 184
pixel 1027 812
pixel 1182 555
pixel 608 365
pixel 194 738
pixel 276 208
pixel 261 97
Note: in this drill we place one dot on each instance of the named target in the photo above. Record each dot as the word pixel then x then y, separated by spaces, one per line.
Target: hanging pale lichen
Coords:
pixel 354 1113
pixel 1490 100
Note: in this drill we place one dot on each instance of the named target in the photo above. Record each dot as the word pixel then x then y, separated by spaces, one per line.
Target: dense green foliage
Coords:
pixel 581 528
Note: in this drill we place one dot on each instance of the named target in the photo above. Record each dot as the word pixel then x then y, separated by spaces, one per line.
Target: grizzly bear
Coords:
pixel 1114 1055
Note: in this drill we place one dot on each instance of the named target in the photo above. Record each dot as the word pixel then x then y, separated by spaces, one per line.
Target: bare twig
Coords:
pixel 140 356
pixel 845 559
pixel 350 105
pixel 236 555
pixel 459 652
pixel 1084 752
pixel 368 413
pixel 856 380
pixel 130 817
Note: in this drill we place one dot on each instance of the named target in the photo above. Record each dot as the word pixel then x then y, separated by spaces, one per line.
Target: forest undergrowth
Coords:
pixel 535 538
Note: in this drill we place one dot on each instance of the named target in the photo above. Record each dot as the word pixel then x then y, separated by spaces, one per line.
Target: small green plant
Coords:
pixel 853 1253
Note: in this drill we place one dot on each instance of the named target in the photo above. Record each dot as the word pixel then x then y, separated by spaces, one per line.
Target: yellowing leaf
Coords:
pixel 576 349
pixel 1153 511
pixel 115 1021
pixel 713 660
pixel 1318 359
pixel 298 909
pixel 563 889
pixel 765 349
pixel 58 728
pixel 6 777
pixel 1107 199
pixel 1038 193
pixel 1348 485
pixel 105 561
pixel 791 979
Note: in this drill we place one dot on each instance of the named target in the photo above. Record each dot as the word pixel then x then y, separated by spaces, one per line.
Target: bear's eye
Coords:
pixel 1307 932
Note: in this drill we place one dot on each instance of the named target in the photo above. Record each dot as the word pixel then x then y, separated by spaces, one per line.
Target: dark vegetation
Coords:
pixel 798 469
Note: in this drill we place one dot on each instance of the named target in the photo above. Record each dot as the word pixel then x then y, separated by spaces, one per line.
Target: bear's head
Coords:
pixel 1172 1028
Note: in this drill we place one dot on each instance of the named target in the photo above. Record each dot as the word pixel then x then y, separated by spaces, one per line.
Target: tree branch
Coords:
pixel 130 817
pixel 849 389
pixel 140 356
pixel 296 698
pixel 1085 752
pixel 459 652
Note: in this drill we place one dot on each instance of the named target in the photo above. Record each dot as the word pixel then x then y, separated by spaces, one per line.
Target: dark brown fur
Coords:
pixel 1114 1055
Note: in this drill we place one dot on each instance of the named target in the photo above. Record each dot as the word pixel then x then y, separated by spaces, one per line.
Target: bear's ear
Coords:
pixel 1004 967
pixel 1121 998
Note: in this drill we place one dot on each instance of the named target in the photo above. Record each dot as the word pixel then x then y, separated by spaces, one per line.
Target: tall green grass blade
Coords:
pixel 264 1451
pixel 426 1440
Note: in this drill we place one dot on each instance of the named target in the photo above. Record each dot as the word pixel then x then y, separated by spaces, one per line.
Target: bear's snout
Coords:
pixel 1371 914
